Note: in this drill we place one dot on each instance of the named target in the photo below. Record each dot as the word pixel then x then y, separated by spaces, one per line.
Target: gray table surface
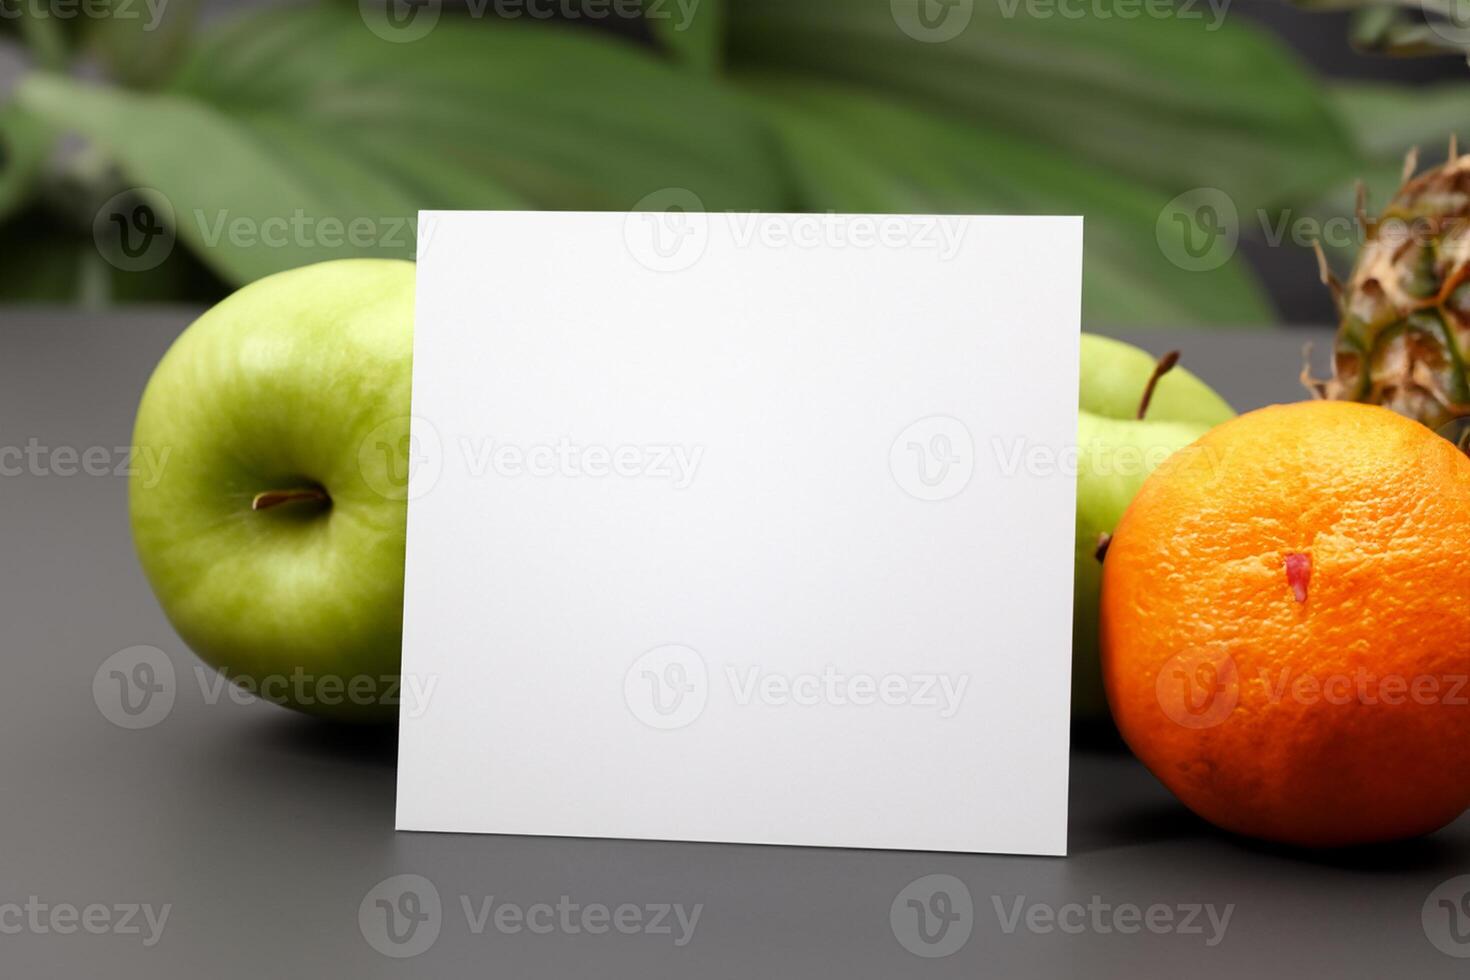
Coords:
pixel 263 832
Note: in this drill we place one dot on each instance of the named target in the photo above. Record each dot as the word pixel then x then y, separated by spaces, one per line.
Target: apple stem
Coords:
pixel 275 498
pixel 1104 542
pixel 1163 367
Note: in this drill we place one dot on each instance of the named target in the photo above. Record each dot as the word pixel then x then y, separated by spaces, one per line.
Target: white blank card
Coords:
pixel 742 527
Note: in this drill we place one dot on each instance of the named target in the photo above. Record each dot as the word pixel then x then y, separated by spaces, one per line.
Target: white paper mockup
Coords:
pixel 742 527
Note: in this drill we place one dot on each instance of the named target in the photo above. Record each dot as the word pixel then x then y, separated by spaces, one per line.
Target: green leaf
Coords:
pixel 232 189
pixel 286 131
pixel 562 117
pixel 1386 120
pixel 141 42
pixel 1179 102
pixel 24 145
pixel 851 151
pixel 46 35
pixel 693 30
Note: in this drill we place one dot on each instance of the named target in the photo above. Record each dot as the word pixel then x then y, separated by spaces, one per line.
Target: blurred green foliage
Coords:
pixel 264 142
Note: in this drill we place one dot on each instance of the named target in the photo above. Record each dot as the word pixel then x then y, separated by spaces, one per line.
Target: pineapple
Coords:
pixel 1404 334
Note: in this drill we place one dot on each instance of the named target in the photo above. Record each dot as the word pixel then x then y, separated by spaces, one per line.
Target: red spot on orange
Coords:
pixel 1299 574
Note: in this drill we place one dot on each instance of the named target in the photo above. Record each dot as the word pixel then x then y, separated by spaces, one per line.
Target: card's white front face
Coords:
pixel 752 528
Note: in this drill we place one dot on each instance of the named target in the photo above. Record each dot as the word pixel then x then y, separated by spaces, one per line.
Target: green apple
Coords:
pixel 274 538
pixel 1117 449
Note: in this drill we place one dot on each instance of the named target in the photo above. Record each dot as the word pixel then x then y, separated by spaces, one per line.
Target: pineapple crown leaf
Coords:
pixel 1317 387
pixel 1403 337
pixel 1411 164
pixel 1324 271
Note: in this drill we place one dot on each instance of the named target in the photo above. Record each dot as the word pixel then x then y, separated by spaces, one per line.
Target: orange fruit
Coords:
pixel 1286 625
